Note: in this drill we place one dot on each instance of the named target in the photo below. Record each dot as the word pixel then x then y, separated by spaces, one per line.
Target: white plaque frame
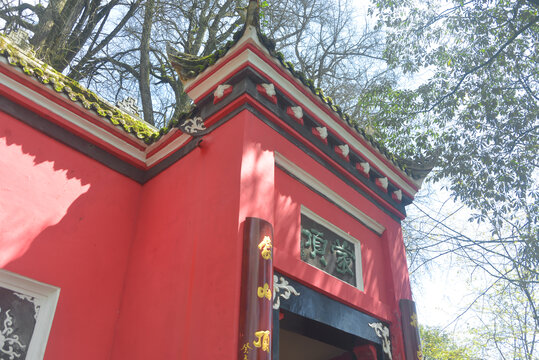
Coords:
pixel 46 297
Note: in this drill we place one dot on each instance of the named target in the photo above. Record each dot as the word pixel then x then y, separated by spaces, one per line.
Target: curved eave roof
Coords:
pixel 189 67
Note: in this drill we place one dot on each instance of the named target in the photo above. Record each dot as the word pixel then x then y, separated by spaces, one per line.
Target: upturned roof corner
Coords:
pixel 189 66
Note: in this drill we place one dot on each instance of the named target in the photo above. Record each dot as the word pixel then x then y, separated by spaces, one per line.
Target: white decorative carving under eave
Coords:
pixel 297 111
pixel 383 182
pixel 366 167
pixel 270 89
pixel 323 131
pixel 382 332
pixel 220 91
pixel 283 286
pixel 397 195
pixel 193 126
pixel 7 340
pixel 345 150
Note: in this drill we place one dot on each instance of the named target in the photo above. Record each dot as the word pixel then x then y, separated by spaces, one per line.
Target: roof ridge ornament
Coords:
pixel 19 38
pixel 252 17
pixel 129 105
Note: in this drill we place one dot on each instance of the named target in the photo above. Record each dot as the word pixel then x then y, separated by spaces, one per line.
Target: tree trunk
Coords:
pixel 144 83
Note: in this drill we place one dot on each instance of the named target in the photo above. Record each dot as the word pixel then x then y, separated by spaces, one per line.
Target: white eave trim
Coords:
pixel 74 119
pixel 168 149
pixel 311 181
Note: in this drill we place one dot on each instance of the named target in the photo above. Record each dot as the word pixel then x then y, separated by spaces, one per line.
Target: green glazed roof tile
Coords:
pixel 74 91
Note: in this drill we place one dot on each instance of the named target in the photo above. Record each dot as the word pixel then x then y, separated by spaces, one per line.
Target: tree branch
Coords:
pixel 486 63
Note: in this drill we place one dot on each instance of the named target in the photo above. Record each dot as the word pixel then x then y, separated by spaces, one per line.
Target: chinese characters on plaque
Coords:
pixel 324 249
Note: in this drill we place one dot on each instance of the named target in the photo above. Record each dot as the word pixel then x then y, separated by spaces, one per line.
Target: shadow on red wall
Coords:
pixel 67 221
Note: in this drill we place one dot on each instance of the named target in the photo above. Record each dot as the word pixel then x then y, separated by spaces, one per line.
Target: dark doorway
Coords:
pixel 299 347
pixel 310 326
pixel 305 339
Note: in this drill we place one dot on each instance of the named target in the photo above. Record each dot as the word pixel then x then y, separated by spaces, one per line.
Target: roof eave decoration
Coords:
pixel 190 68
pixel 23 58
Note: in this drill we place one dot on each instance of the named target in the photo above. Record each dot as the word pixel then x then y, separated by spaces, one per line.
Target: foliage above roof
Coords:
pixel 77 93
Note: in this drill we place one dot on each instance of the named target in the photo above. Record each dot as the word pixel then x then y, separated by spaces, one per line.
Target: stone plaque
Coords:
pixel 328 251
pixel 26 311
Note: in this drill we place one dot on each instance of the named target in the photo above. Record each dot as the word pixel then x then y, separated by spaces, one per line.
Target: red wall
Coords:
pixel 153 271
pixel 385 272
pixel 383 257
pixel 183 284
pixel 68 221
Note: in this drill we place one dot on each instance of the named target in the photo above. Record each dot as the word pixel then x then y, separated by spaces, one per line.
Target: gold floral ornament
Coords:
pixel 263 340
pixel 264 292
pixel 265 246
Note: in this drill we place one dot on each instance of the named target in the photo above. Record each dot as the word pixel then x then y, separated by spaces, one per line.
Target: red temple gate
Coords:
pixel 262 224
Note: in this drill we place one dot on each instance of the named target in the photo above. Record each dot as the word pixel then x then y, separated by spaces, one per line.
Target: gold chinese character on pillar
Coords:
pixel 245 349
pixel 264 292
pixel 414 320
pixel 256 314
pixel 265 247
pixel 410 331
pixel 262 340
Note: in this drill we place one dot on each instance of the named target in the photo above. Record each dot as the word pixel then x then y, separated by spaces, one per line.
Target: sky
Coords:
pixel 443 288
pixel 446 290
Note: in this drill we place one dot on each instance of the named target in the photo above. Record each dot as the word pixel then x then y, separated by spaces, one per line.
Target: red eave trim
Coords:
pixel 161 144
pixel 58 120
pixel 246 98
pixel 309 94
pixel 76 109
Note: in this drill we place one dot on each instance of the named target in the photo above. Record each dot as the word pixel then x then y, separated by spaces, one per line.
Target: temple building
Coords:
pixel 260 225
